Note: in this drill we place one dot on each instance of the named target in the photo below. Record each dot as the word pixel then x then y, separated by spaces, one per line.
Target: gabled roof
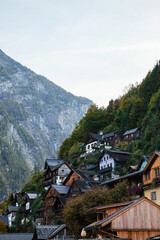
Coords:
pixel 151 160
pixel 56 231
pixel 32 195
pixel 107 220
pixel 144 158
pixel 61 189
pixel 52 162
pixel 82 185
pixel 130 131
pixel 53 168
pixel 111 134
pixel 43 231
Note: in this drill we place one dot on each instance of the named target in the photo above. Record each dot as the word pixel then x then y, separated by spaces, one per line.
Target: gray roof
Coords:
pixel 82 185
pixel 53 162
pixel 61 189
pixel 157 237
pixel 57 230
pixel 96 136
pixel 118 152
pixel 130 131
pixel 13 208
pixel 4 218
pixel 122 177
pixel 43 231
pixel 32 195
pixel 16 236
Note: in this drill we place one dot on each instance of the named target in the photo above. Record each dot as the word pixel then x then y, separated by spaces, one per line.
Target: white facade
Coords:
pixel 11 218
pixel 63 171
pixel 106 161
pixel 90 147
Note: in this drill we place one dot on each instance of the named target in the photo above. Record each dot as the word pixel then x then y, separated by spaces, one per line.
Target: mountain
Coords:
pixel 36 116
pixel 139 107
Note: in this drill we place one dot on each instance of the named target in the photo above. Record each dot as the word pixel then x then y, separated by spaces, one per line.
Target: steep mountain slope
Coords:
pixel 35 117
pixel 139 107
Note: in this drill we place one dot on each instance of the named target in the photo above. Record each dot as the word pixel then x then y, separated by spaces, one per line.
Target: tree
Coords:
pixel 3 227
pixel 75 212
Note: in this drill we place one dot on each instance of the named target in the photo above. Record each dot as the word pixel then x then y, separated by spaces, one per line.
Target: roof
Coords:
pixel 82 185
pixel 57 230
pixel 53 162
pixel 16 236
pixel 115 214
pixel 94 209
pixel 43 231
pixel 32 195
pixel 96 136
pixel 58 166
pixel 122 177
pixel 157 237
pixel 143 158
pixel 130 131
pixel 4 218
pixel 13 208
pixel 61 189
pixel 151 160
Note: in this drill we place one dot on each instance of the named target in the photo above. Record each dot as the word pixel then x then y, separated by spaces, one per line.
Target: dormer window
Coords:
pixel 147 176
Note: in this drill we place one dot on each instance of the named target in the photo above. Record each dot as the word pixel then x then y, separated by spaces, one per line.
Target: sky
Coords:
pixel 91 48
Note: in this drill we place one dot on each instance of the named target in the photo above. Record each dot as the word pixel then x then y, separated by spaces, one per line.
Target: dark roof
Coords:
pixel 62 200
pixel 104 170
pixel 43 231
pixel 4 218
pixel 58 166
pixel 122 177
pixel 61 189
pixel 108 135
pixel 16 236
pixel 130 131
pixel 57 230
pixel 13 208
pixel 143 158
pixel 96 136
pixel 53 162
pixel 82 185
pixel 118 152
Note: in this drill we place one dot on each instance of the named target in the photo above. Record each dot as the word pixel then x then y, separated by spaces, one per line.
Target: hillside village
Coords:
pixel 41 210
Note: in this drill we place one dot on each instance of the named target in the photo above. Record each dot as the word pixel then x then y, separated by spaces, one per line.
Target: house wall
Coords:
pixel 89 147
pixel 156 164
pixel 137 235
pixel 148 194
pixel 106 161
pixel 143 216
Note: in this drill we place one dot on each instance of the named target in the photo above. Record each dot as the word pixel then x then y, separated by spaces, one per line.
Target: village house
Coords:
pixel 11 213
pixel 137 221
pixel 77 188
pixel 108 160
pixel 28 201
pixel 151 178
pixel 112 138
pixel 131 134
pixel 56 174
pixel 54 192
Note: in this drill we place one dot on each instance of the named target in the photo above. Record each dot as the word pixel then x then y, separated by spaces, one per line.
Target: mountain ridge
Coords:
pixel 36 115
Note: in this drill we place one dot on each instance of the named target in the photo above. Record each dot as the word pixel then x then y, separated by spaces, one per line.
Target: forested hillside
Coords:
pixel 139 107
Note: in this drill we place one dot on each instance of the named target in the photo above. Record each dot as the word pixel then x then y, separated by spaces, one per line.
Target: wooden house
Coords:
pixel 112 138
pixel 77 188
pixel 29 198
pixel 54 192
pixel 108 160
pixel 56 174
pixel 131 134
pixel 151 178
pixel 137 221
pixel 93 141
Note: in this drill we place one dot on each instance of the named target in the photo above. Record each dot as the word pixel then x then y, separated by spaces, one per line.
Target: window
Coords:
pixel 88 146
pixel 153 196
pixel 147 176
pixel 157 172
pixel 126 136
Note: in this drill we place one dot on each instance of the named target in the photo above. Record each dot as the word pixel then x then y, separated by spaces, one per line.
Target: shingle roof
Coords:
pixel 57 230
pixel 61 189
pixel 130 131
pixel 82 185
pixel 16 236
pixel 43 231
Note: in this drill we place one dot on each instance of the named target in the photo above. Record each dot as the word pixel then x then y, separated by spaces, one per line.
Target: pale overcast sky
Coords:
pixel 91 48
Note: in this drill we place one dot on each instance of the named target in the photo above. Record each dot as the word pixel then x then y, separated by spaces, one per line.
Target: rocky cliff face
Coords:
pixel 35 117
